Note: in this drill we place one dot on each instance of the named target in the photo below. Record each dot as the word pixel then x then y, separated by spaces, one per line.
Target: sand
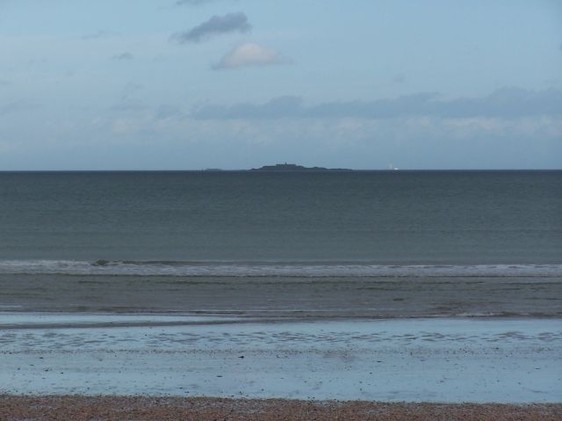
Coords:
pixel 80 408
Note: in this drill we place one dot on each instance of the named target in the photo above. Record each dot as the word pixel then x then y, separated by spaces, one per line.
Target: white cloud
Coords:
pixel 250 54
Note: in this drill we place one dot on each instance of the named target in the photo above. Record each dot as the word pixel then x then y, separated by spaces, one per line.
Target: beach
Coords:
pixel 256 296
pixel 250 355
pixel 82 408
pixel 414 359
pixel 57 366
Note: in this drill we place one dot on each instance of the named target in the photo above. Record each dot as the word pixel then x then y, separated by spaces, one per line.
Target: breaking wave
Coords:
pixel 252 269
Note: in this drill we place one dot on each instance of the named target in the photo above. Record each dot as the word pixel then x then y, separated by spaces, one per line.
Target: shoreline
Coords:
pixel 415 360
pixel 389 340
pixel 79 408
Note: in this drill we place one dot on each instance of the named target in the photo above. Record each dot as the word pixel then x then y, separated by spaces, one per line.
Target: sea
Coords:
pixel 302 285
pixel 267 224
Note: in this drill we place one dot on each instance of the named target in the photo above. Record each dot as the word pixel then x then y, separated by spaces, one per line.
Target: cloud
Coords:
pixel 130 98
pixel 98 35
pixel 506 102
pixel 167 111
pixel 502 103
pixel 281 107
pixel 123 56
pixel 193 2
pixel 399 79
pixel 250 54
pixel 288 106
pixel 9 107
pixel 217 25
pixel 16 106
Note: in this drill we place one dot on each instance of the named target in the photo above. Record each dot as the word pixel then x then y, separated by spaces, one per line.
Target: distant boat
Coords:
pixel 392 167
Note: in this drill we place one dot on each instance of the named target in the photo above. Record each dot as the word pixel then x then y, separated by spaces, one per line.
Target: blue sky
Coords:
pixel 172 84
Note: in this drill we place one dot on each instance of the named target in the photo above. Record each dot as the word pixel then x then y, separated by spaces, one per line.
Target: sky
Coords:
pixel 237 84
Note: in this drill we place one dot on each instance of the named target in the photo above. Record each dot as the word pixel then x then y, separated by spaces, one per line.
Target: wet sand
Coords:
pixel 417 360
pixel 176 343
pixel 80 408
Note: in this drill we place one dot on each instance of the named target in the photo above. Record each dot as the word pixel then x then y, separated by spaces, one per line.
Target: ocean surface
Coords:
pixel 302 224
pixel 314 285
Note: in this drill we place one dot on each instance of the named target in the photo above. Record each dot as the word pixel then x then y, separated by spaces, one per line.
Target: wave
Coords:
pixel 249 269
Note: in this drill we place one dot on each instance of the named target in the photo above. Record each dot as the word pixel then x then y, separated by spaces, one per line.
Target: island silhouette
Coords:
pixel 295 168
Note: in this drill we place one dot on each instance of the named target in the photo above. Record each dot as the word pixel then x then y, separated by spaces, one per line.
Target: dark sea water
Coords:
pixel 388 223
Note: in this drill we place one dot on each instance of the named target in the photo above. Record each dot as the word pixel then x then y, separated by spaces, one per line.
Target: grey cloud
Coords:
pixel 292 106
pixel 16 106
pixel 197 2
pixel 383 108
pixel 123 56
pixel 98 34
pixel 217 25
pixel 506 103
pixel 399 79
pixel 130 95
pixel 8 108
pixel 129 107
pixel 166 111
pixel 282 107
pixel 193 2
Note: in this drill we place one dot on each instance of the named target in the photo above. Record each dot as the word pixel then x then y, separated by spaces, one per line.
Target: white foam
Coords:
pixel 199 269
pixel 26 319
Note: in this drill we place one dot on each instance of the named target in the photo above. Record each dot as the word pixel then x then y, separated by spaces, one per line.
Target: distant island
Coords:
pixel 295 168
